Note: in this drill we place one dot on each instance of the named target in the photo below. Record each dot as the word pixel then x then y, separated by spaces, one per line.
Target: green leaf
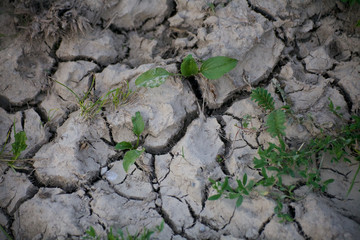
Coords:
pixel 152 78
pixel 130 158
pixel 276 123
pixel 123 146
pixel 216 67
pixel 214 197
pixel 239 201
pixel 263 98
pixel 19 145
pixel 138 124
pixel 245 179
pixel 233 195
pixel 189 66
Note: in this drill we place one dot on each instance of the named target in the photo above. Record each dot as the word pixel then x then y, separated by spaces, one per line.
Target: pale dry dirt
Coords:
pixel 75 178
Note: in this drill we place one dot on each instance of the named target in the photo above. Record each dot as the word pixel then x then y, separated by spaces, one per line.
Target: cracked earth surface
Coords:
pixel 75 178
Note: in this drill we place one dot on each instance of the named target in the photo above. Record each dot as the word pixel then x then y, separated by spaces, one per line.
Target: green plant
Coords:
pixel 89 109
pixel 277 161
pixel 243 188
pixel 144 235
pixel 212 68
pixel 131 155
pixel 17 147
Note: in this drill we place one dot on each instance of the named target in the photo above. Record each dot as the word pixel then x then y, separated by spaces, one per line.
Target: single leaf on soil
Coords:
pixel 130 158
pixel 138 124
pixel 189 66
pixel 152 78
pixel 216 67
pixel 123 146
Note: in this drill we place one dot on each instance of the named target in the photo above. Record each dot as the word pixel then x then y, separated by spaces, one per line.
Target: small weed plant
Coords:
pixel 277 160
pixel 17 148
pixel 144 235
pixel 89 108
pixel 133 153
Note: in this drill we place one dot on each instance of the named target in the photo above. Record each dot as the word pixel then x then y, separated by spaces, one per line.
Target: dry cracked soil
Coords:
pixel 72 177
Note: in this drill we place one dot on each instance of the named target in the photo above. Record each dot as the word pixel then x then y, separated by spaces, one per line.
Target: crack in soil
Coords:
pixel 301 231
pixel 263 225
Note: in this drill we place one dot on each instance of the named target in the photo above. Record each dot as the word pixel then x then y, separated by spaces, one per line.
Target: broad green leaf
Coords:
pixel 189 66
pixel 19 145
pixel 239 201
pixel 214 197
pixel 130 158
pixel 152 78
pixel 123 146
pixel 138 124
pixel 216 67
pixel 276 123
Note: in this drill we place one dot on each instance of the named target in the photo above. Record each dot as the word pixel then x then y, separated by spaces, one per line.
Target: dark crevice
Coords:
pixel 112 143
pixel 226 142
pixel 176 138
pixel 83 58
pixel 124 195
pixel 205 196
pixel 301 231
pixel 262 12
pixel 228 102
pixel 342 91
pixel 192 213
pixel 263 225
pixel 337 172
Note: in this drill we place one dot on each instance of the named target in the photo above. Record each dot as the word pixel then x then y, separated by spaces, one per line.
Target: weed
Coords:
pixel 18 147
pixel 277 161
pixel 145 235
pixel 89 109
pixel 212 68
pixel 131 155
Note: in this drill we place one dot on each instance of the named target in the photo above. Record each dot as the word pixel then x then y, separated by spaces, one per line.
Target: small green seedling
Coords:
pixel 144 235
pixel 213 68
pixel 18 147
pixel 131 155
pixel 89 109
pixel 244 188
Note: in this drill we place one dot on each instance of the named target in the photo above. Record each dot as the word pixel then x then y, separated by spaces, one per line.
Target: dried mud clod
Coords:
pixel 52 19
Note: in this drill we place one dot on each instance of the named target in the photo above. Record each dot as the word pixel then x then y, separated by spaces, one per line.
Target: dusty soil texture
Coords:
pixel 75 178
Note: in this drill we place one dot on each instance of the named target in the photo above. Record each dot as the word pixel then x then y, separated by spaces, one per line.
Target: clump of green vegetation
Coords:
pixel 144 235
pixel 17 148
pixel 133 154
pixel 277 161
pixel 212 68
pixel 89 109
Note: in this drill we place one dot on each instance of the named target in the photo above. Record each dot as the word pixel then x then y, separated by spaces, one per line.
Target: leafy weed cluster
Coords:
pixel 277 160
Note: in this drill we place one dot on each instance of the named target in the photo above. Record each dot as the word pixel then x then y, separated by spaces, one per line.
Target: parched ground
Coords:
pixel 75 179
